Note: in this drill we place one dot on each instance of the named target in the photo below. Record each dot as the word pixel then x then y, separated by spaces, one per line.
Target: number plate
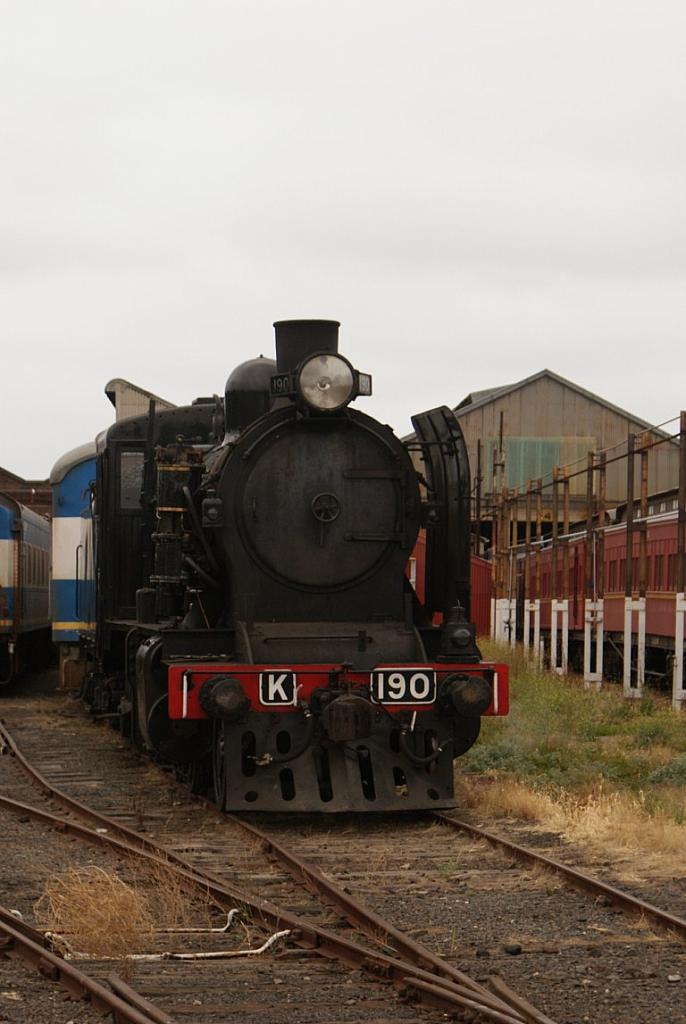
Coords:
pixel 281 384
pixel 278 689
pixel 403 686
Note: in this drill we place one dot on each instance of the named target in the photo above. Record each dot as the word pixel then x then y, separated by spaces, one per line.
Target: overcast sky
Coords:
pixel 476 190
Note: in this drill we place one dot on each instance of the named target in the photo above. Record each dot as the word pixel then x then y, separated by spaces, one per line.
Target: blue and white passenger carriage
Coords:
pixel 73 588
pixel 24 587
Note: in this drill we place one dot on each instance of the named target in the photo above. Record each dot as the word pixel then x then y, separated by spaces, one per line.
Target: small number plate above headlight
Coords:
pixel 403 686
pixel 281 384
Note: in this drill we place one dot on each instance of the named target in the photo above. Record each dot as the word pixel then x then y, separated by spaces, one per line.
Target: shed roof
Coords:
pixel 118 385
pixel 477 399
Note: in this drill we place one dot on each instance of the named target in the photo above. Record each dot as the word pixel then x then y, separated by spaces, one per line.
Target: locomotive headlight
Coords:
pixel 326 382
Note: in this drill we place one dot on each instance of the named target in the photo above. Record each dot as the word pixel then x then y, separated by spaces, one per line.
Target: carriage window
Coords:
pixel 130 480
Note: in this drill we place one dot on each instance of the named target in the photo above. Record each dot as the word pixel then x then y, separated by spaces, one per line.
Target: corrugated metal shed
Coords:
pixel 131 400
pixel 548 421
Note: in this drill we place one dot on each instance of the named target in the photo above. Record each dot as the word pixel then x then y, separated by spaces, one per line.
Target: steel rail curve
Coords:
pixel 662 919
pixel 125 1005
pixel 367 920
pixel 424 973
pixel 447 991
pixel 304 933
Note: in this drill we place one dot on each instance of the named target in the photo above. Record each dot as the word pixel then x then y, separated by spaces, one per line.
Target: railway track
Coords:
pixel 121 1002
pixel 422 977
pixel 330 857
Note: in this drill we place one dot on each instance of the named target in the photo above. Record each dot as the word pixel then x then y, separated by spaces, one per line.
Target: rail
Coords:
pixel 433 981
pixel 126 1006
pixel 661 919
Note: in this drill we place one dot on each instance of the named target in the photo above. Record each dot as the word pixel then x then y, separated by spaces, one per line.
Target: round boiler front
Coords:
pixel 323 503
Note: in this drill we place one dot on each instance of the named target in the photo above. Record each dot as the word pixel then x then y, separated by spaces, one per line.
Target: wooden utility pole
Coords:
pixel 538 538
pixel 629 574
pixel 589 568
pixel 565 532
pixel 681 530
pixel 495 531
pixel 527 544
pixel 477 510
pixel 600 548
pixel 643 525
pixel 556 514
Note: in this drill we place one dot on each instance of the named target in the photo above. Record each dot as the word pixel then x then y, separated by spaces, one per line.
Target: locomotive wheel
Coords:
pixel 218 766
pixel 128 722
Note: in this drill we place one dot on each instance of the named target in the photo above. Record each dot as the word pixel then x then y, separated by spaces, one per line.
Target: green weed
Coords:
pixel 560 734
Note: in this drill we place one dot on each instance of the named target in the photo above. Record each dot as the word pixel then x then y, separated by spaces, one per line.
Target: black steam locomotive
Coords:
pixel 255 624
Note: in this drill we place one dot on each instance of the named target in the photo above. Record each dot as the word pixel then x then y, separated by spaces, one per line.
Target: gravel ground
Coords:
pixel 574 958
pixel 243 989
pixel 26 998
pixel 284 984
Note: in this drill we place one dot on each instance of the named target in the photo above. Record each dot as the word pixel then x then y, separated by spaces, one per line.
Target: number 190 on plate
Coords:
pixel 403 686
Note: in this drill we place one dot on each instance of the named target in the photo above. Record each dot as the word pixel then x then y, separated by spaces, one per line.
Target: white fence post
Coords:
pixel 532 645
pixel 561 609
pixel 506 620
pixel 631 606
pixel 594 632
pixel 678 691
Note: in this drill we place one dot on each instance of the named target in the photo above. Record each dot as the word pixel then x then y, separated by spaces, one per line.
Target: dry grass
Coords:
pixel 604 770
pixel 170 902
pixel 96 911
pixel 615 824
pixel 100 915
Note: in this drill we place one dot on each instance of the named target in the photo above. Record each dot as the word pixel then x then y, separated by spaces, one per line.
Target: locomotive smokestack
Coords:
pixel 297 339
